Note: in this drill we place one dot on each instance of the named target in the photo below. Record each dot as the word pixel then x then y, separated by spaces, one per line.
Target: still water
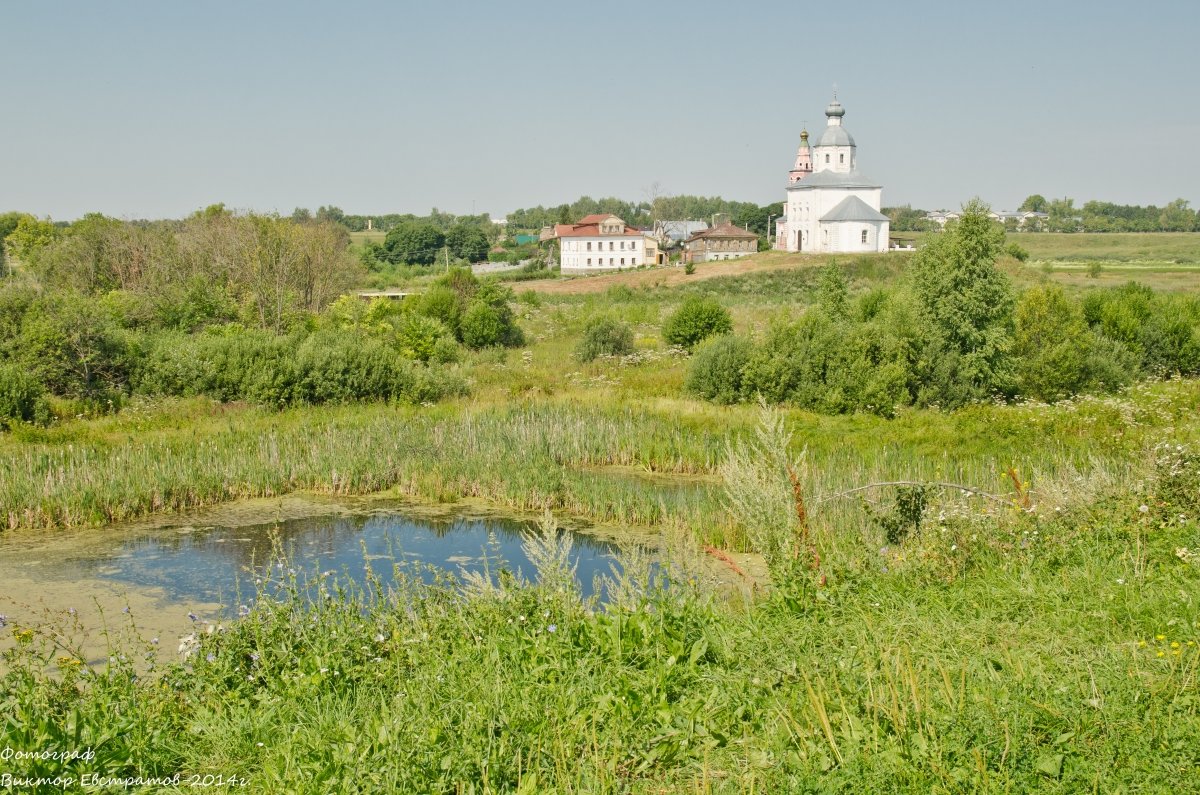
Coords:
pixel 220 564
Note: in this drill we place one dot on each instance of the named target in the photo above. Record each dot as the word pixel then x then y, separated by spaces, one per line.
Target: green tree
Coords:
pixel 967 302
pixel 29 236
pixel 414 243
pixel 467 241
pixel 833 292
pixel 1035 203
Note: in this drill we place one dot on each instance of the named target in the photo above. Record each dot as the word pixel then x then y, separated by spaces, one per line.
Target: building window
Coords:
pixel 610 245
pixel 864 236
pixel 589 247
pixel 589 260
pixel 842 158
pixel 622 260
pixel 826 158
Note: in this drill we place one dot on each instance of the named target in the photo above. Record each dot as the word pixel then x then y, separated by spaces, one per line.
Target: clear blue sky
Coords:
pixel 153 109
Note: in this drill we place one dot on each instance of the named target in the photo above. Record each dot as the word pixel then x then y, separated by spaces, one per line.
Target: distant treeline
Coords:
pixel 531 219
pixel 1063 216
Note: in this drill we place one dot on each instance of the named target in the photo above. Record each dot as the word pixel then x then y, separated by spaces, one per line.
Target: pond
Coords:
pixel 147 579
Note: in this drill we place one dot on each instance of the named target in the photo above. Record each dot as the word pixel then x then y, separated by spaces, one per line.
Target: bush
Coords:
pixel 22 398
pixel 716 370
pixel 1052 343
pixel 482 326
pixel 330 366
pixel 697 319
pixel 72 346
pixel 604 336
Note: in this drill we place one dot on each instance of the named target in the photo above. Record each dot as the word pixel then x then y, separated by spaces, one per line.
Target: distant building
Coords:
pixel 831 205
pixel 724 241
pixel 598 243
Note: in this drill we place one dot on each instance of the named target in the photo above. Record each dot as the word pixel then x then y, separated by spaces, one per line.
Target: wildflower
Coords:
pixel 552 628
pixel 379 638
pixel 260 745
pixel 3 620
pixel 125 609
pixel 1162 654
pixel 193 617
pixel 243 611
pixel 211 657
pixel 1174 644
pixel 70 611
pixel 521 618
pixel 253 656
pixel 1141 644
pixel 1160 637
pixel 1143 509
pixel 154 641
pixel 1120 581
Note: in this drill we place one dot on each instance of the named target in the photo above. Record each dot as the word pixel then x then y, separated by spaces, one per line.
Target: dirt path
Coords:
pixel 670 276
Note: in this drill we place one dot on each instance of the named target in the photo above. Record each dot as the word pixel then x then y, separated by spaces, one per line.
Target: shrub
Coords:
pixel 690 268
pixel 1052 342
pixel 716 370
pixel 482 326
pixel 22 398
pixel 330 366
pixel 74 348
pixel 604 336
pixel 697 319
pixel 416 336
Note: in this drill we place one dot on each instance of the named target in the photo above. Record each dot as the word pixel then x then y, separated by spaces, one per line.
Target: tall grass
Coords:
pixel 956 662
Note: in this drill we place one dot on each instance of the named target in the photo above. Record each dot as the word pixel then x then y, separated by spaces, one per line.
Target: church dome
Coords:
pixel 835 109
pixel 835 135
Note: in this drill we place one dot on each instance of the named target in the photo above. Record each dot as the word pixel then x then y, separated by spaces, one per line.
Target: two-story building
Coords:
pixel 599 243
pixel 723 241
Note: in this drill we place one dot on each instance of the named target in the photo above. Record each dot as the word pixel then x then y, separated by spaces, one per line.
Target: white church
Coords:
pixel 831 206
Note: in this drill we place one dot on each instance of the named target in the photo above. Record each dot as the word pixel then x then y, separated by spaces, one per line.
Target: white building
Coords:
pixel 599 243
pixel 831 206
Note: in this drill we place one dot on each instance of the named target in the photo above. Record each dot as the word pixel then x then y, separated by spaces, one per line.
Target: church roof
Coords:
pixel 835 135
pixel 853 208
pixel 834 179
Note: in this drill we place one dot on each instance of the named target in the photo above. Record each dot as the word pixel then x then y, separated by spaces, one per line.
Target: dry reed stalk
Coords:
pixel 724 558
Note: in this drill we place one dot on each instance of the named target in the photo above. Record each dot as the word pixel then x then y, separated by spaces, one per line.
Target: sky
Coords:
pixel 153 110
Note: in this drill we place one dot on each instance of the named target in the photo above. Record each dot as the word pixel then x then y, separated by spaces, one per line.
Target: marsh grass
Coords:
pixel 1021 653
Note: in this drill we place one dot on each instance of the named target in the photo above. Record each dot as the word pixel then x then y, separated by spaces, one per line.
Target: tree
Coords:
pixel 468 242
pixel 29 236
pixel 1035 203
pixel 967 302
pixel 414 243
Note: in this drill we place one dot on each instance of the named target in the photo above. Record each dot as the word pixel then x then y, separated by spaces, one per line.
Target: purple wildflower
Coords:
pixel 3 620
pixel 211 657
pixel 243 611
pixel 552 628
pixel 193 617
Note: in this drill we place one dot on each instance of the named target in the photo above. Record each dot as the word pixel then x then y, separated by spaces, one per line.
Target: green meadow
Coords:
pixel 998 596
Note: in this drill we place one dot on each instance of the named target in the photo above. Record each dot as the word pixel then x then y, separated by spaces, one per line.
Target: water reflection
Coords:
pixel 219 564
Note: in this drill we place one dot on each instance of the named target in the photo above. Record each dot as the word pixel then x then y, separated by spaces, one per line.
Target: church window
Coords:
pixel 842 158
pixel 864 236
pixel 826 158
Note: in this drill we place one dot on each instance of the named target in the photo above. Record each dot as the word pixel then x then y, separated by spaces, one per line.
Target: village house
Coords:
pixel 724 241
pixel 600 243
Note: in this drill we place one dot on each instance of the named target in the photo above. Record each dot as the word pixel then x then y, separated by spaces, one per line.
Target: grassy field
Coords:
pixel 1035 633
